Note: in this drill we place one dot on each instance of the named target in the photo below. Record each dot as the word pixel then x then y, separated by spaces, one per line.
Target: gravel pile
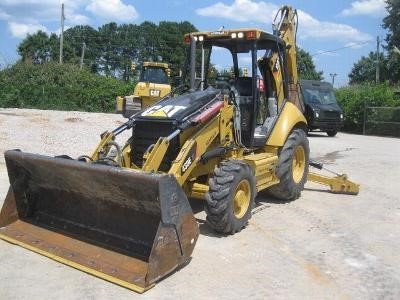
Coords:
pixel 55 132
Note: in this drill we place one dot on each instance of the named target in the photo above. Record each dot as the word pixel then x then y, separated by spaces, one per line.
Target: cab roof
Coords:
pixel 237 40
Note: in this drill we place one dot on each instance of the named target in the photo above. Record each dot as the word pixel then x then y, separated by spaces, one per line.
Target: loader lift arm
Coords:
pixel 107 141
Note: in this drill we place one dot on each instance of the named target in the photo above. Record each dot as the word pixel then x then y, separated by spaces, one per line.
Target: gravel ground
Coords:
pixel 321 246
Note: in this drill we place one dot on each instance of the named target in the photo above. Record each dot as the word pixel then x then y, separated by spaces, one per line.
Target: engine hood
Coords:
pixel 179 107
pixel 326 107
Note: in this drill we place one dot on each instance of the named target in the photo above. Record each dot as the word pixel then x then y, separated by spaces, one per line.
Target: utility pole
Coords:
pixel 62 33
pixel 202 68
pixel 83 53
pixel 377 60
pixel 333 75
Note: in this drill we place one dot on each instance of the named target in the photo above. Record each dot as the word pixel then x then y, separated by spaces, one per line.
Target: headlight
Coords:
pixel 316 112
pixel 341 116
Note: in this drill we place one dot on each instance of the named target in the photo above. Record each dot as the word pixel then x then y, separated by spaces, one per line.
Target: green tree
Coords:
pixel 75 39
pixel 172 49
pixel 148 41
pixel 306 67
pixel 128 51
pixel 391 23
pixel 108 60
pixel 364 70
pixel 39 47
pixel 111 49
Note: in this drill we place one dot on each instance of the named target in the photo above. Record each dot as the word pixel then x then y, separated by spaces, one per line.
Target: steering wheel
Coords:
pixel 233 95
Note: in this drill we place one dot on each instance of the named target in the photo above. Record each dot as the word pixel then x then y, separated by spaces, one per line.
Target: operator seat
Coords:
pixel 244 86
pixel 244 100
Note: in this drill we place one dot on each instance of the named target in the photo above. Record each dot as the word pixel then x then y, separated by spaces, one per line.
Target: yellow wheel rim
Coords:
pixel 298 164
pixel 242 198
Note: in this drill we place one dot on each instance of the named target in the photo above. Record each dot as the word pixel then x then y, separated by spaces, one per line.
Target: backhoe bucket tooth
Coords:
pixel 125 226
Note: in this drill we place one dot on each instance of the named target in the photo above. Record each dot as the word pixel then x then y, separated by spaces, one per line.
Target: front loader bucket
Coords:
pixel 125 226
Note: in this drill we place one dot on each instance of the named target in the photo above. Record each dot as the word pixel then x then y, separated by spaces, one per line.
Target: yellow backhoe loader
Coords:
pixel 122 213
pixel 152 86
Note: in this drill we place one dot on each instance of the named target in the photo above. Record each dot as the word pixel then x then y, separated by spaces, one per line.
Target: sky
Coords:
pixel 336 33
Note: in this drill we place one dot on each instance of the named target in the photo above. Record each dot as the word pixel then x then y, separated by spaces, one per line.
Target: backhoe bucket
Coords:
pixel 125 226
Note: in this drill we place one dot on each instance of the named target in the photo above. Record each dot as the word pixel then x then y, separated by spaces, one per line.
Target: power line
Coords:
pixel 341 48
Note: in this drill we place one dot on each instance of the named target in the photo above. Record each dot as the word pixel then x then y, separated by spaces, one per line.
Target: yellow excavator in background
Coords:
pixel 152 86
pixel 122 213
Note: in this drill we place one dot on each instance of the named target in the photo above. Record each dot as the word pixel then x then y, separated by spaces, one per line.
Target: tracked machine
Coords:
pixel 153 85
pixel 122 213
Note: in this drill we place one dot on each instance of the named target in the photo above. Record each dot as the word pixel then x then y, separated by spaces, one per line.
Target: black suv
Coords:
pixel 321 108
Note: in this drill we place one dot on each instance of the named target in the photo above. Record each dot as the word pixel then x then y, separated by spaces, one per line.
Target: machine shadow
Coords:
pixel 262 202
pixel 198 207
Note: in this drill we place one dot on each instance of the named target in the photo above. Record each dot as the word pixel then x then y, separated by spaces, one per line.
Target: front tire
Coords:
pixel 230 198
pixel 331 133
pixel 292 168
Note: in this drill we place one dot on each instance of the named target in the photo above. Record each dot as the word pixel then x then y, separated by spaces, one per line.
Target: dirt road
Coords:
pixel 321 246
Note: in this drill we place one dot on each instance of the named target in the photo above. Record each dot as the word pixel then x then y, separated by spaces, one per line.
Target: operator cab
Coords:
pixel 154 75
pixel 245 64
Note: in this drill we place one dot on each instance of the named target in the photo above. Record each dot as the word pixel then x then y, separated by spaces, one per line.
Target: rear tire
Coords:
pixel 331 133
pixel 230 198
pixel 292 168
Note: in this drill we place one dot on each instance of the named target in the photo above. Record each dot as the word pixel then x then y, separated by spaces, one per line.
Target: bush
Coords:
pixel 352 99
pixel 59 87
